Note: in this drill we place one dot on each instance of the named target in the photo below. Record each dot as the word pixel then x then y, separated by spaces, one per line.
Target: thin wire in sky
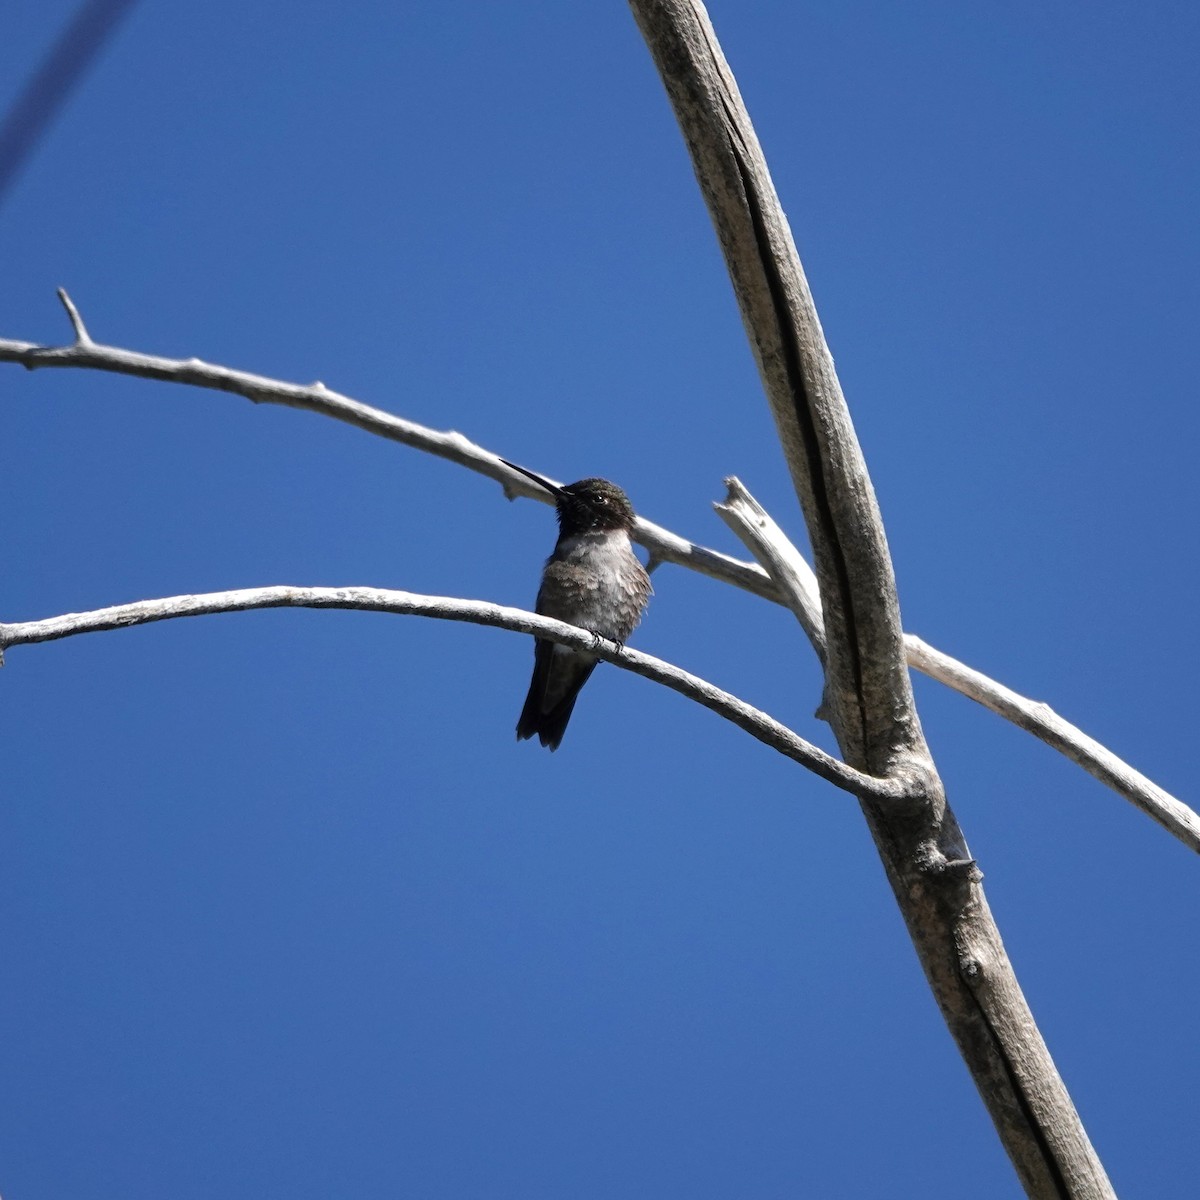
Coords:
pixel 48 89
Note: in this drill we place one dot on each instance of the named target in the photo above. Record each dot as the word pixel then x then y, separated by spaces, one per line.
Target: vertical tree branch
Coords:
pixel 866 659
pixel 868 694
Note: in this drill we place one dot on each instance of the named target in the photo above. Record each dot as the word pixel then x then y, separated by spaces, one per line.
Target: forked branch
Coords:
pixel 766 578
pixel 797 583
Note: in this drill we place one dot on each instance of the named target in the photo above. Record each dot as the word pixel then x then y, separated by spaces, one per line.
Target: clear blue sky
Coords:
pixel 285 910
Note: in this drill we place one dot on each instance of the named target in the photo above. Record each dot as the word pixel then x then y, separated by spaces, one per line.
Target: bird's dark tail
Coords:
pixel 549 726
pixel 552 697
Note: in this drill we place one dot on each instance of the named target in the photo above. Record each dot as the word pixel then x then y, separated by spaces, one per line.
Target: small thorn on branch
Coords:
pixel 82 337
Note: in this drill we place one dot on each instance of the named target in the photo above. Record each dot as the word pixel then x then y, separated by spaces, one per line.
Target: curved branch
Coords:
pixel 477 612
pixel 662 544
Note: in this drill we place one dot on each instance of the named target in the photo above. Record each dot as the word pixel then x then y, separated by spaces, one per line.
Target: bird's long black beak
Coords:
pixel 552 488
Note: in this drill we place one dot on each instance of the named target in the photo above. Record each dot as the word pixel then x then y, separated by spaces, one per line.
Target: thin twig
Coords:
pixel 1044 723
pixel 82 337
pixel 776 554
pixel 478 612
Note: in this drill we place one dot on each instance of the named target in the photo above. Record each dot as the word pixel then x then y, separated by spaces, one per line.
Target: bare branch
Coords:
pixel 775 552
pixel 777 557
pixel 1044 723
pixel 477 612
pixel 662 544
pixel 82 337
pixel 868 687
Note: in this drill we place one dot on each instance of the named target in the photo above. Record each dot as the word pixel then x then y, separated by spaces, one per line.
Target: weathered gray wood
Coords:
pixel 663 544
pixel 87 354
pixel 774 552
pixel 869 696
pixel 477 612
pixel 797 584
pixel 1057 732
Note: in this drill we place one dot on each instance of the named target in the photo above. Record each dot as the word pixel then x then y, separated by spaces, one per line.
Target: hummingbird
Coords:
pixel 592 580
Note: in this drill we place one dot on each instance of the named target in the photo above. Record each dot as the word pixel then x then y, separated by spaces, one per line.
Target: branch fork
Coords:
pixel 857 631
pixel 780 573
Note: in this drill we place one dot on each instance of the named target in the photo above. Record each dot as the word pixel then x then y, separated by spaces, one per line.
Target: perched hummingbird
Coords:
pixel 592 580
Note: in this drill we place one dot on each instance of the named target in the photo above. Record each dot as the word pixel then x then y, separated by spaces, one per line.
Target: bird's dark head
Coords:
pixel 593 504
pixel 588 504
